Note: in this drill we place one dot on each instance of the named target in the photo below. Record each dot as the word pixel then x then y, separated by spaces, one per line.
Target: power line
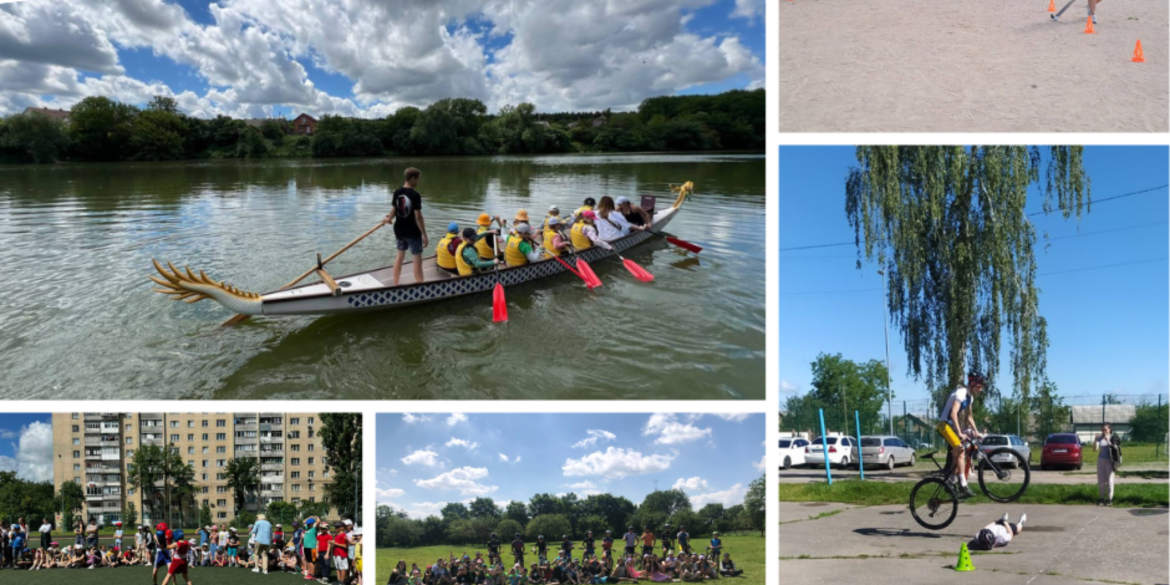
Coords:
pixel 1095 202
pixel 1104 266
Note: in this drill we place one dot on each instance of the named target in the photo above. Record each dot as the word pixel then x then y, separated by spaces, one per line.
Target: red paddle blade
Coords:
pixel 587 273
pixel 638 272
pixel 684 244
pixel 499 305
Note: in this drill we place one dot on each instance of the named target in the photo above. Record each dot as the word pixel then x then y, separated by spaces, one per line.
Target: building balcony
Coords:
pixel 271 493
pixel 272 466
pixel 271 427
pixel 271 440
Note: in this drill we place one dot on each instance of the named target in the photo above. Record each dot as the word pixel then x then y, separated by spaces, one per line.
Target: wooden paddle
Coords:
pixel 320 264
pixel 680 243
pixel 638 272
pixel 499 304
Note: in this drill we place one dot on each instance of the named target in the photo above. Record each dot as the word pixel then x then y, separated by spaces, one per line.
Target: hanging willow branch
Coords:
pixel 948 226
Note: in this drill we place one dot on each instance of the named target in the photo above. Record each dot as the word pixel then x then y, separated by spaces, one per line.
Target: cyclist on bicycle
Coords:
pixel 956 411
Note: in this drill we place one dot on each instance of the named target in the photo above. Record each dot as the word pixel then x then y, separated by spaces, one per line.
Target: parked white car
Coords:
pixel 841 451
pixel 792 452
pixel 886 451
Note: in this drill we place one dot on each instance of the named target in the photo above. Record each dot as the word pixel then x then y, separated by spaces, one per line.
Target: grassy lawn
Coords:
pixel 868 493
pixel 747 550
pixel 220 576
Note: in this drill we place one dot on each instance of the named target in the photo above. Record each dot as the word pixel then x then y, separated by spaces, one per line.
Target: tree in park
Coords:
pixel 666 502
pixel 507 528
pixel 455 511
pixel 182 476
pixel 341 437
pixel 131 514
pixel 101 128
pixel 204 515
pixel 542 504
pixel 949 227
pixel 146 470
pixel 842 386
pixel 281 512
pixel 1149 424
pixel 484 508
pixel 552 526
pixel 518 512
pixel 755 506
pixel 1050 415
pixel 35 137
pixel 243 478
pixel 615 510
pixel 70 499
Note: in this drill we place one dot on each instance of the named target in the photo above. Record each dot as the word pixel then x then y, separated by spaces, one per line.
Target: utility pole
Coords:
pixel 886 325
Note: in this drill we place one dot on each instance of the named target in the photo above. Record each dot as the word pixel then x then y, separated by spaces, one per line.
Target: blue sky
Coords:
pixel 254 58
pixel 427 460
pixel 26 445
pixel 1107 325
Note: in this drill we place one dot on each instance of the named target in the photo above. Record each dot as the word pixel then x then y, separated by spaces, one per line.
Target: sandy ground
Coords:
pixel 1060 545
pixel 972 66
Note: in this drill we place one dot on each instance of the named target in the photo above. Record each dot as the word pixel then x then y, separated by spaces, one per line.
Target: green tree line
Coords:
pixel 555 516
pixel 102 129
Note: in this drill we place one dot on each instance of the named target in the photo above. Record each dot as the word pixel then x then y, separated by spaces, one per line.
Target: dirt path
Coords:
pixel 986 66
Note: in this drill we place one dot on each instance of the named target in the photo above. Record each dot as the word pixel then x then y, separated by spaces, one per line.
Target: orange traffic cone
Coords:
pixel 1139 56
pixel 1052 5
pixel 1089 27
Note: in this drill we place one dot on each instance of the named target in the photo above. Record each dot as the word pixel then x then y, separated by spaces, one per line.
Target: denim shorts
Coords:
pixel 413 244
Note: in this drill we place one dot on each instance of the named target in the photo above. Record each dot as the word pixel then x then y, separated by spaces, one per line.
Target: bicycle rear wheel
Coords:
pixel 933 503
pixel 1004 475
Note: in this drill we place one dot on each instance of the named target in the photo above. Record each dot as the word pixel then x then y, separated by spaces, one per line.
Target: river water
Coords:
pixel 78 319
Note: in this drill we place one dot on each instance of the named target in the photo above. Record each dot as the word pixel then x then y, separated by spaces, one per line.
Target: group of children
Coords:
pixel 313 549
pixel 611 566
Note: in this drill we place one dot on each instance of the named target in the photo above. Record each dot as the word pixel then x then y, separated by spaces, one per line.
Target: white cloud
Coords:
pixel 670 431
pixel 456 418
pixel 787 387
pixel 595 436
pixel 33 456
pixel 422 457
pixel 251 55
pixel 583 485
pixel 616 463
pixel 389 492
pixel 8 434
pixel 691 485
pixel 748 9
pixel 504 458
pixel 410 419
pixel 733 416
pixel 462 479
pixel 762 463
pixel 462 443
pixel 729 497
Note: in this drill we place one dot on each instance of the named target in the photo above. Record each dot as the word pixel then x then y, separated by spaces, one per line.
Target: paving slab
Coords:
pixel 1060 544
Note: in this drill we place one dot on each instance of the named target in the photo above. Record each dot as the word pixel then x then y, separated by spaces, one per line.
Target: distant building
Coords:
pixel 97 451
pixel 304 124
pixel 599 122
pixel 572 125
pixel 1087 420
pixel 62 115
pixel 255 122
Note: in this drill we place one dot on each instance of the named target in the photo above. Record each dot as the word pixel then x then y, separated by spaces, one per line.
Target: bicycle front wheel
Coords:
pixel 933 503
pixel 1004 475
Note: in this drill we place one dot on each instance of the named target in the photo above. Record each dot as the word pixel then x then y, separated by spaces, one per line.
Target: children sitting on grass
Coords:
pixel 591 569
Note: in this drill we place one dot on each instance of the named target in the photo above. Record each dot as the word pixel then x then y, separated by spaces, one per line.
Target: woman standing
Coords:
pixel 1103 446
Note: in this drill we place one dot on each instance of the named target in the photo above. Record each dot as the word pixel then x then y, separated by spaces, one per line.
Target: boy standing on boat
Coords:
pixel 409 228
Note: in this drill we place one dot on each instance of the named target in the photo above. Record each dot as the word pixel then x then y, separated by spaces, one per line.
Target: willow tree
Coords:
pixel 949 227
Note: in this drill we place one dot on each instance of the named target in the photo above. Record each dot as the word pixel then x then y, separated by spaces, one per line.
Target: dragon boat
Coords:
pixel 373 290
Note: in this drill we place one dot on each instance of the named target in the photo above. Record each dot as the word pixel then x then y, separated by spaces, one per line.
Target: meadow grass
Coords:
pixel 746 549
pixel 873 493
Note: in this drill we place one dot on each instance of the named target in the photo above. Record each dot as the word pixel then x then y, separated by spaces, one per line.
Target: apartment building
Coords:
pixel 97 450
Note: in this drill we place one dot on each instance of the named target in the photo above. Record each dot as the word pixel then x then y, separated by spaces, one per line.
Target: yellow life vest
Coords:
pixel 582 209
pixel 482 246
pixel 545 224
pixel 512 254
pixel 443 255
pixel 465 269
pixel 549 236
pixel 578 238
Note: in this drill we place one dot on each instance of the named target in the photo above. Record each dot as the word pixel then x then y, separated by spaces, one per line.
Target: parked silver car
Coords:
pixel 886 451
pixel 1015 443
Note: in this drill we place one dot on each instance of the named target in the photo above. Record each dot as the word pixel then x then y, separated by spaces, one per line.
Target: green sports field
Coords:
pixel 747 550
pixel 141 575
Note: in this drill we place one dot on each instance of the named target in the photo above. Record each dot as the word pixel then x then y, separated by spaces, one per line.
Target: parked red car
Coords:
pixel 1061 449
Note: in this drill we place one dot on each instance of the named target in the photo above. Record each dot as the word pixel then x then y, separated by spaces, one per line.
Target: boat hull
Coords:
pixel 301 301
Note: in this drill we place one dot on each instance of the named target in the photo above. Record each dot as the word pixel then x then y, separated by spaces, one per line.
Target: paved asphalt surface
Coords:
pixel 883 545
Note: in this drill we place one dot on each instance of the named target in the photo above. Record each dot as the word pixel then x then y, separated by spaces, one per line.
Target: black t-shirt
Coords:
pixel 542 546
pixel 494 546
pixel 566 545
pixel 518 546
pixel 588 542
pixel 406 202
